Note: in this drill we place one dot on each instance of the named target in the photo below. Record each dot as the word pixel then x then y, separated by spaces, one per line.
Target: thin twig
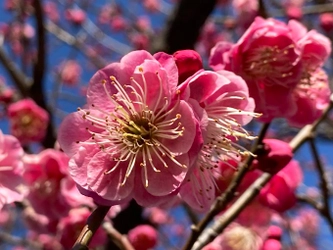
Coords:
pixel 17 241
pixel 94 221
pixel 66 37
pixel 21 81
pixel 120 240
pixel 326 208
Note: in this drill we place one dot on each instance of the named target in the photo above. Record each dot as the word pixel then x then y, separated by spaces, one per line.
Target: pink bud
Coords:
pixel 271 244
pixel 275 156
pixel 326 21
pixel 188 62
pixel 143 237
pixel 274 232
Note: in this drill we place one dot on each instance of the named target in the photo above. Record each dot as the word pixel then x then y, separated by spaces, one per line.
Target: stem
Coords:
pixel 120 240
pixel 94 221
pixel 325 211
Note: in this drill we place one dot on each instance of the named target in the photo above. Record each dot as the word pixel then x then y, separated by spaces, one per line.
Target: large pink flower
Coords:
pixel 135 136
pixel 267 57
pixel 222 104
pixel 11 182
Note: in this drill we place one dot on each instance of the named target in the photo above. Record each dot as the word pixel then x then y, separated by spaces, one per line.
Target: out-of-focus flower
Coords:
pixel 143 237
pixel 152 5
pixel 227 107
pixel 11 182
pixel 118 23
pixel 271 244
pixel 312 96
pixel 76 16
pixel 135 133
pixel 44 173
pixel 312 93
pixel 274 232
pixel 69 228
pixel 140 41
pixel 51 11
pixel 143 23
pixel 326 21
pixel 237 237
pixel 246 11
pixel 28 121
pixel 70 72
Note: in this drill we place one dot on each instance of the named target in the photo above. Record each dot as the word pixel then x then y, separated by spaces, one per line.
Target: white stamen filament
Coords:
pixel 133 130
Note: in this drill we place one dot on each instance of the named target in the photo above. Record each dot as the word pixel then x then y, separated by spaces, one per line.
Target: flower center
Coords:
pixel 269 61
pixel 135 132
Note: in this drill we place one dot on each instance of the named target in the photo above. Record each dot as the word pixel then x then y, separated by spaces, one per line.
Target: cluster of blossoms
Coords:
pixel 160 129
pixel 279 62
pixel 142 127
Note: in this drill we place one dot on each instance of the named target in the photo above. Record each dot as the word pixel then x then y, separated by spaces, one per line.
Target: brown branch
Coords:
pixel 120 240
pixel 37 88
pixel 324 182
pixel 306 10
pixel 262 9
pixel 21 81
pixel 66 37
pixel 234 210
pixel 17 241
pixel 184 25
pixel 94 221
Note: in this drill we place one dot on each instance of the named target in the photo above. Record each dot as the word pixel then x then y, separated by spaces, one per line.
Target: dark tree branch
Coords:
pixel 21 81
pixel 94 221
pixel 184 26
pixel 326 208
pixel 37 88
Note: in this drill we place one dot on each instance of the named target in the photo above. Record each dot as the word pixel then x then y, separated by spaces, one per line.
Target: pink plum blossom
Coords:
pixel 28 121
pixel 70 72
pixel 326 21
pixel 238 237
pixel 76 16
pixel 118 23
pixel 226 107
pixel 51 10
pixel 11 168
pixel 46 175
pixel 143 237
pixel 134 134
pixel 312 92
pixel 312 96
pixel 69 228
pixel 268 59
pixel 271 244
pixel 246 11
pixel 152 5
